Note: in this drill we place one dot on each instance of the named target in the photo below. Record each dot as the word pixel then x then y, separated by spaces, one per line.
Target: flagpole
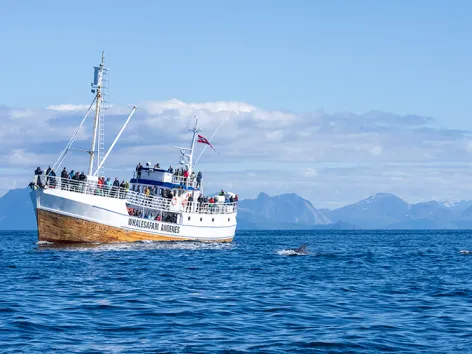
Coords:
pixel 216 131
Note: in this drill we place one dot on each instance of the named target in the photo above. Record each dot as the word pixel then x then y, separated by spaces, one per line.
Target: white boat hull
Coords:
pixel 65 216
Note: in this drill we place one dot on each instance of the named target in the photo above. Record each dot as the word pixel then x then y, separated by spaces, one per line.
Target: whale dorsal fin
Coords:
pixel 302 248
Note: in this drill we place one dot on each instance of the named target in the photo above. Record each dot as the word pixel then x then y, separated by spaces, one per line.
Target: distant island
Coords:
pixel 292 212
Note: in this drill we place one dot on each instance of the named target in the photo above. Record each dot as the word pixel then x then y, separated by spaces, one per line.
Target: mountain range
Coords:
pixel 290 211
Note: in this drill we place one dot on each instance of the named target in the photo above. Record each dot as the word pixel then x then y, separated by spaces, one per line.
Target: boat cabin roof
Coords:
pixel 162 178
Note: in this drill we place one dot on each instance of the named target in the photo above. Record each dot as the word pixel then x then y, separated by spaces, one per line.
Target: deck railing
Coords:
pixel 181 180
pixel 177 180
pixel 134 198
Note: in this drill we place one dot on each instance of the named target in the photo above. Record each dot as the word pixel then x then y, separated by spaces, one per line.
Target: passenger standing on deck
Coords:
pixel 75 181
pixel 200 201
pixel 147 191
pixel 126 189
pixel 139 168
pixel 122 189
pixel 52 182
pixel 38 172
pixel 108 185
pixel 82 179
pixel 190 202
pixel 116 187
pixel 199 179
pixel 72 183
pixel 48 172
pixel 65 177
pixel 100 186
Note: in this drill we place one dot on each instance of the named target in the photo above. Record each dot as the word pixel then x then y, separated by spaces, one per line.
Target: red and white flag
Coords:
pixel 203 140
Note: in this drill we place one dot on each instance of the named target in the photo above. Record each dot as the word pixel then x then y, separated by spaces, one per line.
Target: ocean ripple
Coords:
pixel 356 291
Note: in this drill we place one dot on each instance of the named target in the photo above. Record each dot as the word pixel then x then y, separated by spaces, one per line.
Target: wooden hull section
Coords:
pixel 58 228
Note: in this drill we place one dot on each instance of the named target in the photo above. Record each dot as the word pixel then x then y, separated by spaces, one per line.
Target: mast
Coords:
pixel 195 130
pixel 192 146
pixel 97 84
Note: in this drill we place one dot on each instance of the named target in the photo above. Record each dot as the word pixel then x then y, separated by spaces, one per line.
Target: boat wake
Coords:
pixel 300 251
pixel 136 246
pixel 290 253
pixel 465 252
pixel 44 243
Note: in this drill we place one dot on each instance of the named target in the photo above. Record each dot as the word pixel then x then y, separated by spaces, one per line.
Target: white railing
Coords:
pixel 178 180
pixel 181 180
pixel 149 201
pixel 84 187
pixel 191 207
pixel 210 208
pixel 135 198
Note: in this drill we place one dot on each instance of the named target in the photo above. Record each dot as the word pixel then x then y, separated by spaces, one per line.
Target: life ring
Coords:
pixel 174 201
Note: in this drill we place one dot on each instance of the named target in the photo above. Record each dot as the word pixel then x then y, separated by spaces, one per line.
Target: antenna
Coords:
pixel 101 122
pixel 97 89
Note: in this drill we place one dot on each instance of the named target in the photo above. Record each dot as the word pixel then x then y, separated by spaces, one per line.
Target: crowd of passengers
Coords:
pixel 180 173
pixel 203 204
pixel 105 187
pixel 71 181
pixel 167 194
pixel 208 204
pixel 211 200
pixel 138 213
pixel 49 175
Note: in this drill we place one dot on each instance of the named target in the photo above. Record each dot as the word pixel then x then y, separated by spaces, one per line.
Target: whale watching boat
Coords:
pixel 156 204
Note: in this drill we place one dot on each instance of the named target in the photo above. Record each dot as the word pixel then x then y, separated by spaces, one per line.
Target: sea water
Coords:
pixel 356 291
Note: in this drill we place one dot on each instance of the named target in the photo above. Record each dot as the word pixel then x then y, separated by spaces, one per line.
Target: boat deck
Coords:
pixel 135 199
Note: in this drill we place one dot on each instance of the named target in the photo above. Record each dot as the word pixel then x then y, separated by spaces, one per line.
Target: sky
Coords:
pixel 334 100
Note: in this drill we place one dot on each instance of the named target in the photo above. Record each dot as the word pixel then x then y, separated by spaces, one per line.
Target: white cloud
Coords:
pixel 256 141
pixel 376 151
pixel 309 172
pixel 191 108
pixel 275 135
pixel 68 108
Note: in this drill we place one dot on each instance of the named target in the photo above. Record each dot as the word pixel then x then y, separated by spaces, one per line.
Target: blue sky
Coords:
pixel 319 61
pixel 397 56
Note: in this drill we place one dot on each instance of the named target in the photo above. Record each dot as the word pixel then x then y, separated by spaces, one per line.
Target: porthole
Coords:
pixel 189 218
pixel 213 220
pixel 201 219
